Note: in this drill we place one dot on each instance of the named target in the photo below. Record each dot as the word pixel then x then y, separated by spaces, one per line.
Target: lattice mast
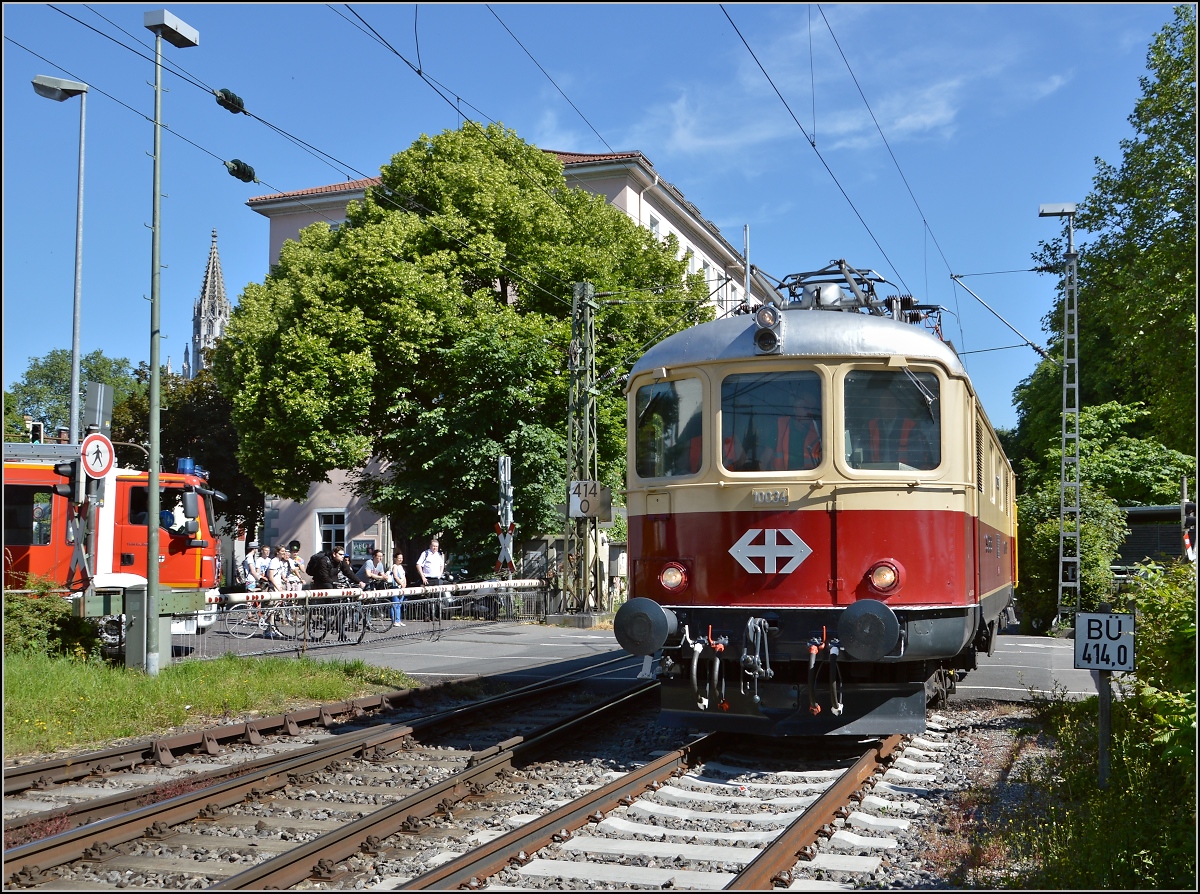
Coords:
pixel 1068 502
pixel 580 588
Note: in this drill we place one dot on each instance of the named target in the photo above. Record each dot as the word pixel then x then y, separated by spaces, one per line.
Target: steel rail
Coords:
pixel 126 826
pixel 302 862
pixel 162 749
pixel 493 856
pixel 778 857
pixel 84 812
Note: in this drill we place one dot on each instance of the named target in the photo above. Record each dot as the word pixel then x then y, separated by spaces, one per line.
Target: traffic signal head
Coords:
pixel 37 433
pixel 75 487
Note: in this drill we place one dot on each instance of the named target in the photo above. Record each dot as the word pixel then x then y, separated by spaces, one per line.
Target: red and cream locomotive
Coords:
pixel 822 522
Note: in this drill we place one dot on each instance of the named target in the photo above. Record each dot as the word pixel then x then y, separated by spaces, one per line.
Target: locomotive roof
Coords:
pixel 807 333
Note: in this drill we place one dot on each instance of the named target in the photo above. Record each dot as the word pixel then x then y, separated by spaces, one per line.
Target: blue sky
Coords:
pixel 989 110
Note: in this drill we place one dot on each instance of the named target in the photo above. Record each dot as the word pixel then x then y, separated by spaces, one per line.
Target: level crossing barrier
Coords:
pixel 303 621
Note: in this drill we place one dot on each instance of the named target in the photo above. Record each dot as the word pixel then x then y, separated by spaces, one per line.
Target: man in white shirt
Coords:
pixel 431 565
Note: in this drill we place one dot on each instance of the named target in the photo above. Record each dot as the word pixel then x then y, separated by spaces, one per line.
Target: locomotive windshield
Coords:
pixel 668 429
pixel 893 420
pixel 771 421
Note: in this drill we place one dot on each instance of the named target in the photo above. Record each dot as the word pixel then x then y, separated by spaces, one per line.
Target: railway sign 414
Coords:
pixel 1103 641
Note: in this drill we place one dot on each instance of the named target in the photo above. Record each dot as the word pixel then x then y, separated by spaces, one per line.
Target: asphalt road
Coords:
pixel 1020 667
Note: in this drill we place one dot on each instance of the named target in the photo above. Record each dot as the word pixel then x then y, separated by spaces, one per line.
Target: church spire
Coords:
pixel 211 312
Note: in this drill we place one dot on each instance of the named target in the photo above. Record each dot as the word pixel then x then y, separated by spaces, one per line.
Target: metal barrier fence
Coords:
pixel 304 621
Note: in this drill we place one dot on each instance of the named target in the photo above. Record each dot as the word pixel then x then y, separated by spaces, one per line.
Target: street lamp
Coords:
pixel 60 90
pixel 178 34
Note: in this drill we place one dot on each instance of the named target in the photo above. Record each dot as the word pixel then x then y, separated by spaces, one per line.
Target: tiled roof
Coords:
pixel 567 158
pixel 348 186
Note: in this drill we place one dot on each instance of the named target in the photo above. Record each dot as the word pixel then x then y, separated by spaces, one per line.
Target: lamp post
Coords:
pixel 60 90
pixel 178 34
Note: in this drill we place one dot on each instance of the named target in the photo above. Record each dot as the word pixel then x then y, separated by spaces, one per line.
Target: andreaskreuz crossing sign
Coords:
pixel 1103 641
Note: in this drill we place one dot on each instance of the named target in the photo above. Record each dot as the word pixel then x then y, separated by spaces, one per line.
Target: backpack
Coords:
pixel 318 560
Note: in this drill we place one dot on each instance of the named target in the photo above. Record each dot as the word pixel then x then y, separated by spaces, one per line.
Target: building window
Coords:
pixel 691 259
pixel 654 227
pixel 333 529
pixel 706 269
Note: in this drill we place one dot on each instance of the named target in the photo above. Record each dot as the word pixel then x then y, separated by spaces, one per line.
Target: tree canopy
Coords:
pixel 1136 267
pixel 44 392
pixel 431 332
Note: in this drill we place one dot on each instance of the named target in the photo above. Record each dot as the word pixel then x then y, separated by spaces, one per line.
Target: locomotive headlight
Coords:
pixel 673 577
pixel 886 576
pixel 767 316
pixel 883 577
pixel 768 337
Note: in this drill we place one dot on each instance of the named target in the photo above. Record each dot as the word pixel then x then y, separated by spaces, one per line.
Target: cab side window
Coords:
pixel 668 429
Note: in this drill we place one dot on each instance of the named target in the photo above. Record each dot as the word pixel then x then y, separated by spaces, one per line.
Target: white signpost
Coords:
pixel 1103 641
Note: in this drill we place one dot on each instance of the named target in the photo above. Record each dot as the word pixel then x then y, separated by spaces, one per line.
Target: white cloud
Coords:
pixel 1050 85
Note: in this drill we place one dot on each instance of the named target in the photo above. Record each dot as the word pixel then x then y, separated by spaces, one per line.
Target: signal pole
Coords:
pixel 582 456
pixel 1068 491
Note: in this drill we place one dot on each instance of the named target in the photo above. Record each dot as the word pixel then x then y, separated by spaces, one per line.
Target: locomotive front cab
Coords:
pixel 801 528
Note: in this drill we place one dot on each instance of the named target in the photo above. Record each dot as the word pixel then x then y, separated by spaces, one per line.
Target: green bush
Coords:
pixel 1139 832
pixel 44 624
pixel 1103 530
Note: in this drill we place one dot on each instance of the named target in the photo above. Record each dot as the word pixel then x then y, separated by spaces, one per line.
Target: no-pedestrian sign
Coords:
pixel 1103 641
pixel 98 455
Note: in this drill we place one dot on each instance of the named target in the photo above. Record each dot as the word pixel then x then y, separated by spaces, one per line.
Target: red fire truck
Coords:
pixel 97 548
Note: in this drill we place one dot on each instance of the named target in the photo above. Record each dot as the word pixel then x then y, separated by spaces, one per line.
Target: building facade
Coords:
pixel 627 180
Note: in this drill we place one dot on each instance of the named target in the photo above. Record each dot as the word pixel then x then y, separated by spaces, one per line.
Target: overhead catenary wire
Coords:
pixel 550 79
pixel 193 80
pixel 924 219
pixel 387 197
pixel 812 143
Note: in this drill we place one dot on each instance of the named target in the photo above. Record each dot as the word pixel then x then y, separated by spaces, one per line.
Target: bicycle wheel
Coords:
pixel 242 621
pixel 289 620
pixel 318 624
pixel 379 616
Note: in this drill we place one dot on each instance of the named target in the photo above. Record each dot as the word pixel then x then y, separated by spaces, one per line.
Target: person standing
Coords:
pixel 251 574
pixel 399 580
pixel 277 570
pixel 295 576
pixel 431 565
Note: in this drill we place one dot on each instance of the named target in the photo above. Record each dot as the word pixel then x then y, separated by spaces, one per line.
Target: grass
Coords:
pixel 53 703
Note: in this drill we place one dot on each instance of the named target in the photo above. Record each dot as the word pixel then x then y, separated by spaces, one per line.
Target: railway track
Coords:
pixel 708 814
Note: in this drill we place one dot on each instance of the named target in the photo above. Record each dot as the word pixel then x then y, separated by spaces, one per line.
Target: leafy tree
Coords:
pixel 1133 471
pixel 431 332
pixel 44 392
pixel 1102 530
pixel 1137 266
pixel 14 420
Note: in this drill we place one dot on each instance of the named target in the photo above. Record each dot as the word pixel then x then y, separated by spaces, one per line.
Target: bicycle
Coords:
pixel 378 615
pixel 243 621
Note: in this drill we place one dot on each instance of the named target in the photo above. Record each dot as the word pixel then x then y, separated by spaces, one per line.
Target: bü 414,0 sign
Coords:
pixel 590 499
pixel 1103 641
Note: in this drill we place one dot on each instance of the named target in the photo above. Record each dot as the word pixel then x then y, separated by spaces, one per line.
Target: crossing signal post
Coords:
pixel 1187 511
